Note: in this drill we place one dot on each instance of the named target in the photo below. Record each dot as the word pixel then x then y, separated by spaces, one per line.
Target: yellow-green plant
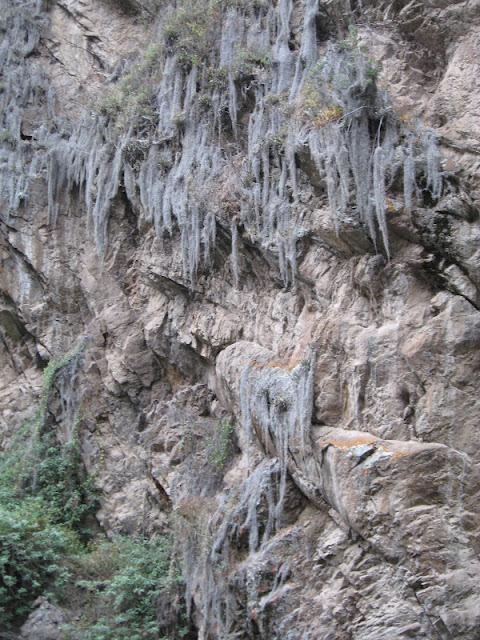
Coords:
pixel 190 30
pixel 129 102
pixel 222 445
pixel 249 62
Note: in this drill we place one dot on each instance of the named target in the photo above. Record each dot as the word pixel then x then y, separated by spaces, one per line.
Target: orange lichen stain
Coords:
pixel 391 208
pixel 328 115
pixel 354 442
pixel 396 455
pixel 406 118
pixel 286 365
pixel 174 377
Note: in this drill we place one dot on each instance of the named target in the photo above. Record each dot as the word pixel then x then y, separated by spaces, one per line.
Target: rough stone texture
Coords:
pixel 86 40
pixel 44 623
pixel 385 543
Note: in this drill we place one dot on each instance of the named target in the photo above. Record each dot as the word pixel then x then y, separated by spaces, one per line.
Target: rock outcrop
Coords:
pixel 44 623
pixel 261 220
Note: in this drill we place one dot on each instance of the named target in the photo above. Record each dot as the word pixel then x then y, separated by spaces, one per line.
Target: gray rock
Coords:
pixel 44 623
pixel 380 533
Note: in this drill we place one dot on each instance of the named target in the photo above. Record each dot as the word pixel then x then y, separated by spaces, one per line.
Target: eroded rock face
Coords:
pixel 361 420
pixel 44 623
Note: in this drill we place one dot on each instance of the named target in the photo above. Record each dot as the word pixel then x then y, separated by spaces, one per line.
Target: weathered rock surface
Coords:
pixel 44 623
pixel 379 532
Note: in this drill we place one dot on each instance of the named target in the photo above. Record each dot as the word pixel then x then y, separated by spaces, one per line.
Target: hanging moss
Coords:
pixel 228 70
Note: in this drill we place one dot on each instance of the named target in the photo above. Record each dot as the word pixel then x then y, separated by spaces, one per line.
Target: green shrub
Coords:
pixel 45 501
pixel 222 445
pixel 53 471
pixel 6 137
pixel 45 498
pixel 190 30
pixel 63 484
pixel 130 101
pixel 31 552
pixel 49 374
pixel 217 78
pixel 124 581
pixel 249 62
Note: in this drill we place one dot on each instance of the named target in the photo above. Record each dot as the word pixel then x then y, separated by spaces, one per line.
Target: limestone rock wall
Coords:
pixel 347 507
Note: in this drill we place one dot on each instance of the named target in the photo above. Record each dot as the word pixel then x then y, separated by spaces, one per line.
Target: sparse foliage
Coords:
pixel 222 445
pixel 123 583
pixel 45 499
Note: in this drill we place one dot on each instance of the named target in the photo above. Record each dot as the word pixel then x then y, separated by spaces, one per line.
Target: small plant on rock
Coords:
pixel 222 445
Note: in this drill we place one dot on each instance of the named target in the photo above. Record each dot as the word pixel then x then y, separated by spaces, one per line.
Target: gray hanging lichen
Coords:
pixel 276 404
pixel 22 85
pixel 170 127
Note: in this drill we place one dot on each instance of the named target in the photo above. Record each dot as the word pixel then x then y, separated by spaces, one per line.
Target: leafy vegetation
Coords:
pixel 327 95
pixel 46 548
pixel 54 472
pixel 129 102
pixel 312 106
pixel 222 445
pixel 121 584
pixel 45 500
pixel 189 30
pixel 6 137
pixel 49 375
pixel 248 62
pixel 31 552
pixel 61 481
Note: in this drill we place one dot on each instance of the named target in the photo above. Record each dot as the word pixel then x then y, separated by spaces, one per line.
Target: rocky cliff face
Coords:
pixel 261 220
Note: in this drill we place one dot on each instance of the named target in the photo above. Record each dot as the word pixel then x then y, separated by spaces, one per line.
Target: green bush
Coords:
pixel 31 552
pixel 6 137
pixel 45 501
pixel 190 30
pixel 130 101
pixel 52 471
pixel 45 498
pixel 222 445
pixel 249 62
pixel 61 481
pixel 124 581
